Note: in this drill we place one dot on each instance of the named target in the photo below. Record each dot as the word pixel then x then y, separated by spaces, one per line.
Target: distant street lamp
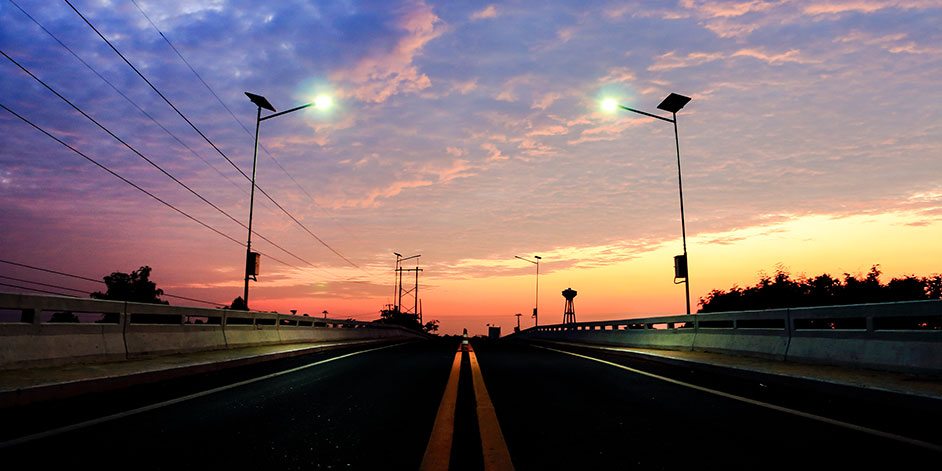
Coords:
pixel 672 104
pixel 252 258
pixel 536 307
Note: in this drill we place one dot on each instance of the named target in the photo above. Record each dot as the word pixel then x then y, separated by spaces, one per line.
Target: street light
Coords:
pixel 536 307
pixel 251 258
pixel 672 104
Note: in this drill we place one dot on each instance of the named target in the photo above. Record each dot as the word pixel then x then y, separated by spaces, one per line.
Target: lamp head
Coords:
pixel 609 105
pixel 322 102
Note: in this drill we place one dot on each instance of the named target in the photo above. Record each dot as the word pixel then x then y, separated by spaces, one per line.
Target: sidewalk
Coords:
pixel 902 383
pixel 28 385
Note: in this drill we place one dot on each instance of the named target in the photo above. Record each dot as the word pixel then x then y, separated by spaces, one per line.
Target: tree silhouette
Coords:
pixel 781 291
pixel 134 287
pixel 431 326
pixel 392 315
pixel 238 304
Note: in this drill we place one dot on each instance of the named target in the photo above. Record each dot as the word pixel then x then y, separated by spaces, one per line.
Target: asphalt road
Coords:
pixel 375 410
pixel 559 411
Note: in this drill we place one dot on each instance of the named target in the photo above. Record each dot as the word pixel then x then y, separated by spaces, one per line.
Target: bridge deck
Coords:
pixel 24 385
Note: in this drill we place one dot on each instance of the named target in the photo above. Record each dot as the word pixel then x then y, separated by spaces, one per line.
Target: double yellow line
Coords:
pixel 493 446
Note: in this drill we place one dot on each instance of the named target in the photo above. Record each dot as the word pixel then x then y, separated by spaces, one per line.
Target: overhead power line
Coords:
pixel 37 290
pixel 154 164
pixel 136 186
pixel 51 271
pixel 87 279
pixel 43 284
pixel 229 110
pixel 128 99
pixel 210 142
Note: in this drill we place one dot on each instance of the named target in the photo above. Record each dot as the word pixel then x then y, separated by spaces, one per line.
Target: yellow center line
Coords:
pixel 438 451
pixel 496 454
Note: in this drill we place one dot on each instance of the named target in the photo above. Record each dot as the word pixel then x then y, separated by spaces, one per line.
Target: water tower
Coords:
pixel 569 313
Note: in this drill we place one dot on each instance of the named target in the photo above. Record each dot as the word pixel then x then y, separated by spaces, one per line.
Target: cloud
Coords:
pixel 730 29
pixel 565 34
pixel 865 6
pixel 390 190
pixel 489 12
pixel 725 9
pixel 510 86
pixel 380 75
pixel 606 132
pixel 912 48
pixel 618 75
pixel 533 148
pixel 545 101
pixel 790 56
pixel 495 153
pixel 464 87
pixel 670 60
pixel 460 168
pixel 554 130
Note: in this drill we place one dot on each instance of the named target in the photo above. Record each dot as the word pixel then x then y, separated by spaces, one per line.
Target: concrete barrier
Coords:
pixel 901 336
pixel 45 330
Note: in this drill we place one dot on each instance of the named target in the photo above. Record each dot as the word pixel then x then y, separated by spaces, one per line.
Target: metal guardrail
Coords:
pixel 903 336
pixel 58 329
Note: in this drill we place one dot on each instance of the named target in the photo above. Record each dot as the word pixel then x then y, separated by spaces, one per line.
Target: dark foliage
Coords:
pixel 65 316
pixel 781 291
pixel 405 319
pixel 134 287
pixel 238 304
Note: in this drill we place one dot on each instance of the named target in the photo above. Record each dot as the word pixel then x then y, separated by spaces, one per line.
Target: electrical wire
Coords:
pixel 128 99
pixel 236 119
pixel 87 279
pixel 206 138
pixel 136 186
pixel 51 271
pixel 37 290
pixel 155 165
pixel 43 284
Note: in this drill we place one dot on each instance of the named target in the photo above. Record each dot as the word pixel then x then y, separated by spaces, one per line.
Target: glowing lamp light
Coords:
pixel 609 105
pixel 322 102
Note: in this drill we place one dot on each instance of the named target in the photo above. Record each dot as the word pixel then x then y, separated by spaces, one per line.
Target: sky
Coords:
pixel 469 133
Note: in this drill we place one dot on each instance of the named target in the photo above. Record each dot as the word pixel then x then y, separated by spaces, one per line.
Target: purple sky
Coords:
pixel 467 132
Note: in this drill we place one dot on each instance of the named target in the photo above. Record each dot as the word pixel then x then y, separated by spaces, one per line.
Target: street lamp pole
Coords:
pixel 251 258
pixel 536 304
pixel 672 104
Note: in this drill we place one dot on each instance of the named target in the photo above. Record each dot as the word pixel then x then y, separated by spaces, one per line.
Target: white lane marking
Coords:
pixel 847 425
pixel 119 415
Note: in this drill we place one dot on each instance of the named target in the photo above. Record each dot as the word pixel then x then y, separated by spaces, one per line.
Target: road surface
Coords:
pixel 388 408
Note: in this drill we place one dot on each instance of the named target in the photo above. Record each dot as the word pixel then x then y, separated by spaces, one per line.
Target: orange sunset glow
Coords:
pixel 471 135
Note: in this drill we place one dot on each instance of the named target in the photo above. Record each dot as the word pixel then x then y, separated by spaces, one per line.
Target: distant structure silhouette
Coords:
pixel 569 312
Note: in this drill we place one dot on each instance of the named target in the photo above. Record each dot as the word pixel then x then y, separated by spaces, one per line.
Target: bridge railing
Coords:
pixel 900 336
pixel 40 329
